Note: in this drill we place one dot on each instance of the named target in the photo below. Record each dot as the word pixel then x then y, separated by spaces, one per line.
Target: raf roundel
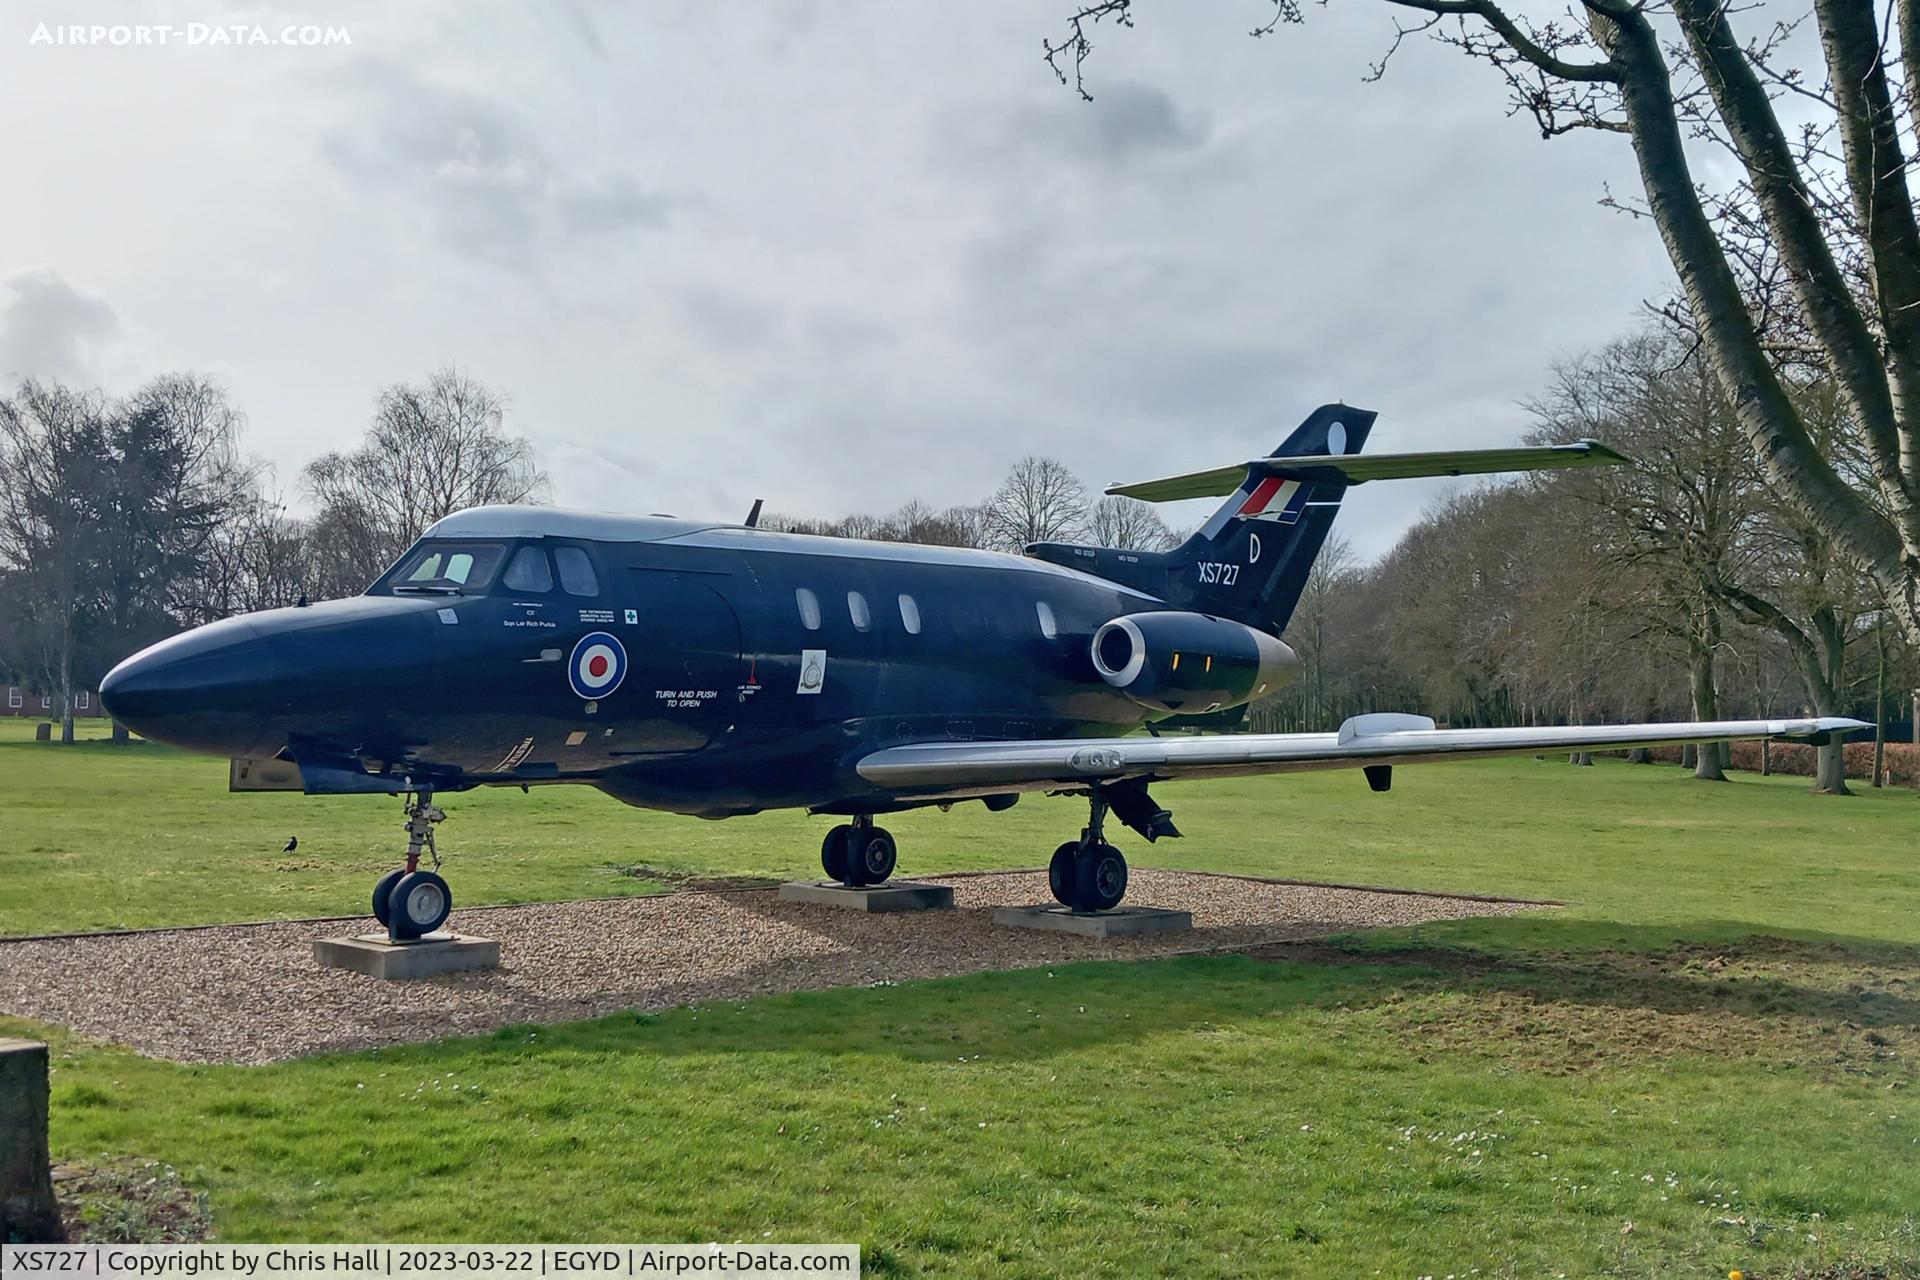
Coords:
pixel 598 665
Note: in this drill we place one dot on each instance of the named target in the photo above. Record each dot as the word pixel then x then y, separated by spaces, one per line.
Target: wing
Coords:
pixel 973 768
pixel 1358 468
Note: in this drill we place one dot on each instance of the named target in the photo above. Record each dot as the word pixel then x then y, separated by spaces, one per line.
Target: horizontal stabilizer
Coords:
pixel 1351 469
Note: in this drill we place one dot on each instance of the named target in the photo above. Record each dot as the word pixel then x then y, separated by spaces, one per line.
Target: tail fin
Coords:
pixel 1250 561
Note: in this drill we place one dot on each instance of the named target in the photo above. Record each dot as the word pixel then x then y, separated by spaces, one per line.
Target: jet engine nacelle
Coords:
pixel 1189 662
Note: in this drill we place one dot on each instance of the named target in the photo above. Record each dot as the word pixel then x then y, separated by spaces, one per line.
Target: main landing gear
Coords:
pixel 410 902
pixel 1089 874
pixel 858 853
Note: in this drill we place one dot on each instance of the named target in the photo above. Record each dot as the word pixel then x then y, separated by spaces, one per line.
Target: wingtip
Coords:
pixel 1599 452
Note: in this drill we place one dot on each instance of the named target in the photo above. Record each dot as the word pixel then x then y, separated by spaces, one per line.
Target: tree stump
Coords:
pixel 43 732
pixel 28 1212
pixel 120 733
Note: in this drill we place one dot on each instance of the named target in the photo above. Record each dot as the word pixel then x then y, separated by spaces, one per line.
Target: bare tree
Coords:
pixel 1040 501
pixel 55 461
pixel 1668 528
pixel 914 522
pixel 431 450
pixel 959 526
pixel 1129 524
pixel 261 559
pixel 179 487
pixel 1811 258
pixel 108 509
pixel 1813 597
pixel 1312 629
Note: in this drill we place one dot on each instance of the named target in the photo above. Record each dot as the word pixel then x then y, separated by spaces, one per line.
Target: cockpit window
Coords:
pixel 447 568
pixel 528 571
pixel 576 571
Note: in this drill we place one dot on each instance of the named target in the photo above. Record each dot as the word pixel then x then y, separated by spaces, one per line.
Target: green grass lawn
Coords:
pixel 1707 1061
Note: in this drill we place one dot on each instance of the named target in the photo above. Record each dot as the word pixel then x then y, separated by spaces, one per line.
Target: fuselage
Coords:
pixel 701 668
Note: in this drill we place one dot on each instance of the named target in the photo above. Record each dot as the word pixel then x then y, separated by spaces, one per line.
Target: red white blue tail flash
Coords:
pixel 1274 499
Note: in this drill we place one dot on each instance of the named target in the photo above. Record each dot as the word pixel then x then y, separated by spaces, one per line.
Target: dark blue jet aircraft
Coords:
pixel 718 669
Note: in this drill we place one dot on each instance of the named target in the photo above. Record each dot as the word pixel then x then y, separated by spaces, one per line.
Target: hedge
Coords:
pixel 1797 759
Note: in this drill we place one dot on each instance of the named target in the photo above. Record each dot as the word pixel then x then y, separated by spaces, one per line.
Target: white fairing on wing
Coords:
pixel 936 768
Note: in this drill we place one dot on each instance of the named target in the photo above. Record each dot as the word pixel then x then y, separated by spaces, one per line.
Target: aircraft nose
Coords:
pixel 205 690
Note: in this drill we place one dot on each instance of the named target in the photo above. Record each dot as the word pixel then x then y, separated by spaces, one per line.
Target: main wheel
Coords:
pixel 873 854
pixel 834 852
pixel 384 890
pixel 419 904
pixel 1100 878
pixel 1060 873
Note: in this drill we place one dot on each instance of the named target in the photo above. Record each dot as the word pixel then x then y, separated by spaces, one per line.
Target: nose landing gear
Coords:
pixel 410 902
pixel 858 853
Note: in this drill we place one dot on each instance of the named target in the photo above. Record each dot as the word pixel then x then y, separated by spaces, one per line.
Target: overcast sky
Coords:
pixel 836 255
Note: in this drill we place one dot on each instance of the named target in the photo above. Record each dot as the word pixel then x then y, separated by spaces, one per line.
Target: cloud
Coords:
pixel 861 252
pixel 1131 120
pixel 487 183
pixel 51 330
pixel 1126 127
pixel 610 201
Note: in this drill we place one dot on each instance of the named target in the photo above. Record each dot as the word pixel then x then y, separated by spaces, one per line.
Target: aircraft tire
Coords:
pixel 873 856
pixel 383 891
pixel 835 851
pixel 1100 878
pixel 1060 872
pixel 419 904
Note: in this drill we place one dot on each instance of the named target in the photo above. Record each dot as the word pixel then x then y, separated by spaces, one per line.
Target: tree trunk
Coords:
pixel 1890 549
pixel 1640 755
pixel 1831 771
pixel 66 682
pixel 1689 755
pixel 1880 707
pixel 1709 760
pixel 1766 757
pixel 28 1212
pixel 1825 683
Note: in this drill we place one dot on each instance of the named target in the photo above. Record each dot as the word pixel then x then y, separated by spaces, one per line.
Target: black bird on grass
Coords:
pixel 293 842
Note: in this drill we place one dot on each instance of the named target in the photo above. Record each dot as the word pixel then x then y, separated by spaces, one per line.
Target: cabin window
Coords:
pixel 83 700
pixel 528 571
pixel 809 608
pixel 46 701
pixel 857 610
pixel 14 699
pixel 1044 611
pixel 910 615
pixel 576 572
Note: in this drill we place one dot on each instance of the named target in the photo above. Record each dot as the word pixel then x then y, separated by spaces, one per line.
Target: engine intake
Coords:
pixel 1190 663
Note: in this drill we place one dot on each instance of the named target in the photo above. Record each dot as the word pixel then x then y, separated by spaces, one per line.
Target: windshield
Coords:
pixel 447 568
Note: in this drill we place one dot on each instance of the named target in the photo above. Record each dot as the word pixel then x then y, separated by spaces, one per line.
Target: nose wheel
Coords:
pixel 410 902
pixel 1089 874
pixel 858 853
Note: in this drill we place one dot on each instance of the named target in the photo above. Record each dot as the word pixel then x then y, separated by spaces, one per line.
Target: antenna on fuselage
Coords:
pixel 753 516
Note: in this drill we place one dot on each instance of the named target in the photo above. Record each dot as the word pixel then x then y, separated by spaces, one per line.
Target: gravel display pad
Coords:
pixel 252 993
